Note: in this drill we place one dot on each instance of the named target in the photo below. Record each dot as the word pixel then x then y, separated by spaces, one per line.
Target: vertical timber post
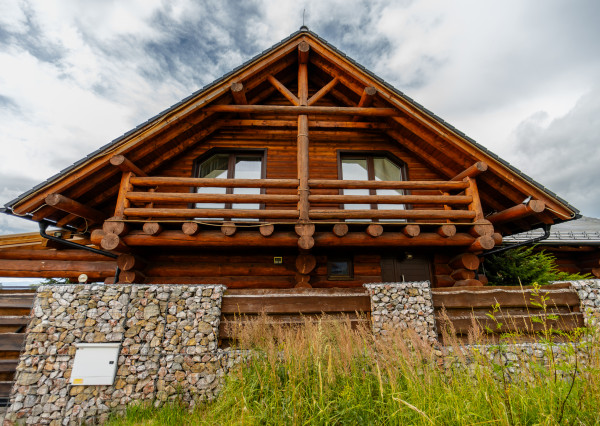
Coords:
pixel 303 190
pixel 304 228
pixel 122 201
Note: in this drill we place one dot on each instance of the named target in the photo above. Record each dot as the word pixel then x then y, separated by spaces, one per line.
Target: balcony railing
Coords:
pixel 139 198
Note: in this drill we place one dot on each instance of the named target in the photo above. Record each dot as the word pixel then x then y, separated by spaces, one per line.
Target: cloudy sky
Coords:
pixel 520 77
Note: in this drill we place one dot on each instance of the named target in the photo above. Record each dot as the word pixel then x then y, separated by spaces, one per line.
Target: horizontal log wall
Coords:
pixel 496 310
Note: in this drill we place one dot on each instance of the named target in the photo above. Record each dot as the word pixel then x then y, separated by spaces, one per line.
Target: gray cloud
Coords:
pixel 565 154
pixel 9 104
pixel 105 67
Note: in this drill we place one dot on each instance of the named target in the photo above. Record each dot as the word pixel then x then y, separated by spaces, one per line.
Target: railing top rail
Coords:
pixel 380 184
pixel 207 182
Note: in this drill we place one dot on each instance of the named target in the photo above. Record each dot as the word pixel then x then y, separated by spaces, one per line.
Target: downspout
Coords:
pixel 44 225
pixel 522 243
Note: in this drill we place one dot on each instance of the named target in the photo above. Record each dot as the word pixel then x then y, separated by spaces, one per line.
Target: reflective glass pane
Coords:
pixel 247 167
pixel 386 170
pixel 355 169
pixel 213 168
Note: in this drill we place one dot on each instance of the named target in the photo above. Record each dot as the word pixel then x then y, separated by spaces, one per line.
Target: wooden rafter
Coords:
pixel 283 90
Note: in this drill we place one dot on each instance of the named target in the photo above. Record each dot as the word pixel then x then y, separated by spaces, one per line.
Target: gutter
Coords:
pixel 44 225
pixel 9 212
pixel 522 243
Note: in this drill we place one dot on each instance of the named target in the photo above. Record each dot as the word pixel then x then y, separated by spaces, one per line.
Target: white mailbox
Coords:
pixel 95 364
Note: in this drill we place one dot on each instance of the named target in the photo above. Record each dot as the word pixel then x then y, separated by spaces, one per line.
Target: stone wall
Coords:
pixel 589 294
pixel 406 305
pixel 169 347
pixel 168 337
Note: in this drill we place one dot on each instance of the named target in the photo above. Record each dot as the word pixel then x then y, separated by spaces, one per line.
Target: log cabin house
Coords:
pixel 299 168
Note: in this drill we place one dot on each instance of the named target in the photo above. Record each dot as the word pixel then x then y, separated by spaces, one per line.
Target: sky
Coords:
pixel 520 77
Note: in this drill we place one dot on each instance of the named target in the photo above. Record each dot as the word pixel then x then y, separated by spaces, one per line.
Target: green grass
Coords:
pixel 328 373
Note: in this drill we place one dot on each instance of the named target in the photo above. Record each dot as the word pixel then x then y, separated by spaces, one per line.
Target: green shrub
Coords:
pixel 524 266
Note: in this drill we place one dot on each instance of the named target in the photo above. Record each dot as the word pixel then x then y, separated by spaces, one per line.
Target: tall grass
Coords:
pixel 327 372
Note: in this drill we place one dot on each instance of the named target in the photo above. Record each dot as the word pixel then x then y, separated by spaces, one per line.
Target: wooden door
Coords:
pixel 399 269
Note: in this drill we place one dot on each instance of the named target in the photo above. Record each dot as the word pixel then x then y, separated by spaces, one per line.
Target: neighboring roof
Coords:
pixel 139 130
pixel 584 231
pixel 13 240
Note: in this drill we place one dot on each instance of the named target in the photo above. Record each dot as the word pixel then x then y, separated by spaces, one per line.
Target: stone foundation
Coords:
pixel 168 337
pixel 589 295
pixel 169 344
pixel 403 305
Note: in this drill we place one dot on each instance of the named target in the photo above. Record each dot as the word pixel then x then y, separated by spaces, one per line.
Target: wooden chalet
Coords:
pixel 300 168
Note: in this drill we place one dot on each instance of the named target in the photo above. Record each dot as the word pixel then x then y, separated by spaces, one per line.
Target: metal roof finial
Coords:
pixel 303 27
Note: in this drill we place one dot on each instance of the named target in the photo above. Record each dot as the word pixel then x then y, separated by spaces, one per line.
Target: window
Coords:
pixel 371 167
pixel 340 269
pixel 230 165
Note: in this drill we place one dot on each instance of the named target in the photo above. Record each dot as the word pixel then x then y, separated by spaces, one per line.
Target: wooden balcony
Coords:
pixel 140 198
pixel 282 213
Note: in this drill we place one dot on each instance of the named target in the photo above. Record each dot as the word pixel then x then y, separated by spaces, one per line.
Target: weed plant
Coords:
pixel 332 372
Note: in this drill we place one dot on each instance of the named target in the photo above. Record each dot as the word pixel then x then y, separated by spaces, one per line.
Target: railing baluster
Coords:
pixel 476 203
pixel 122 200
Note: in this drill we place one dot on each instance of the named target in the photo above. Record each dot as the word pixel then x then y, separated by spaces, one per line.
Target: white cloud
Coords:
pixel 76 75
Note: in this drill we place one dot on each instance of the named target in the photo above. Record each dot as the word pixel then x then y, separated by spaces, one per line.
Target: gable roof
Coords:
pixel 416 118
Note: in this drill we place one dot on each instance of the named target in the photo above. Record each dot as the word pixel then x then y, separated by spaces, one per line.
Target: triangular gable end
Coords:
pixel 334 79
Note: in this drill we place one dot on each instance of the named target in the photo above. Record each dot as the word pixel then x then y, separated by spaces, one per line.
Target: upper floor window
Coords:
pixel 230 165
pixel 371 167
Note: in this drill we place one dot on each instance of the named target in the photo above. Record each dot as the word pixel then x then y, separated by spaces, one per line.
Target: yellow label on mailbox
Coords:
pixel 77 381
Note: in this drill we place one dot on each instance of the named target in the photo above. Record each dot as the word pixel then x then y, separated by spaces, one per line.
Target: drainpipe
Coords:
pixel 522 243
pixel 44 225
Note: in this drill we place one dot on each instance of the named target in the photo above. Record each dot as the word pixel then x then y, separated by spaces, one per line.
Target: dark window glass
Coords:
pixel 340 269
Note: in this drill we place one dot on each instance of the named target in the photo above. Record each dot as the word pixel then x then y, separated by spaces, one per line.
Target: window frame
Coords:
pixel 369 155
pixel 233 153
pixel 349 260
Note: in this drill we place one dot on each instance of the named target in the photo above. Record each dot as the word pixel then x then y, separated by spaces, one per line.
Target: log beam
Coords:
pixel 228 229
pixel 340 229
pixel 190 228
pixel 299 110
pixel 238 91
pixel 128 262
pixel 266 230
pixel 56 268
pixel 305 263
pixel 411 231
pixel 468 283
pixel 126 165
pixel 209 239
pixel 465 261
pixel 132 277
pixel 472 171
pixel 517 212
pixel 322 92
pixel 68 205
pixel 481 228
pixel 366 99
pixel 112 242
pixel 114 226
pixel 283 90
pixel 444 281
pixel 482 243
pixel 374 230
pixel 152 228
pixel 447 230
pixel 462 274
